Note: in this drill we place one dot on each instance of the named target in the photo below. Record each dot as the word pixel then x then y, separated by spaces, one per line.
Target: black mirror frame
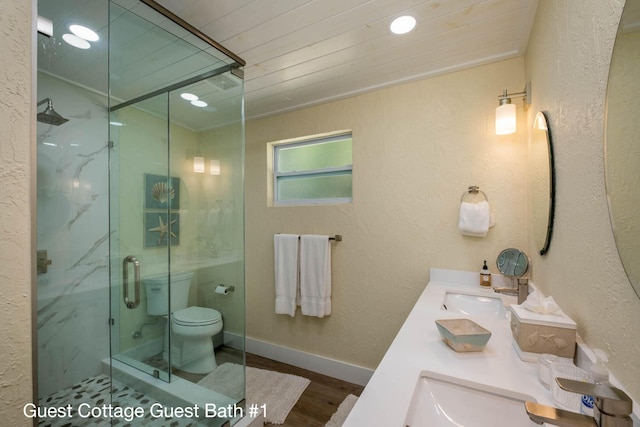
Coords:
pixel 552 187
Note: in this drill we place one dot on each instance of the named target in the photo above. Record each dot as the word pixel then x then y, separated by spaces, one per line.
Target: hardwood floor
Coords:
pixel 320 399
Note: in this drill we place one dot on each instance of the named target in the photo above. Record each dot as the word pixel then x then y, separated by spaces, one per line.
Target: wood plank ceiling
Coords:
pixel 304 52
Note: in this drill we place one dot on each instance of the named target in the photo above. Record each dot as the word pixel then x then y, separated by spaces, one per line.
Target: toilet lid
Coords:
pixel 197 316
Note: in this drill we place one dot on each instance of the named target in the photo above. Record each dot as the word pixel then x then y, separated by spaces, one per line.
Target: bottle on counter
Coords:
pixel 485 275
pixel 600 375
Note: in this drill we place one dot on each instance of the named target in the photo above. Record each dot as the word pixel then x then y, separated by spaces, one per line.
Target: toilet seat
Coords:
pixel 196 316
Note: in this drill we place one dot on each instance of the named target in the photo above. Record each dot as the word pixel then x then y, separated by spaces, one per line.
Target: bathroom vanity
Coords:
pixel 421 381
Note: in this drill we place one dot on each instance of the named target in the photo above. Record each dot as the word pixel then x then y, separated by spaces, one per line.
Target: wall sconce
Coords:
pixel 198 164
pixel 214 167
pixel 506 111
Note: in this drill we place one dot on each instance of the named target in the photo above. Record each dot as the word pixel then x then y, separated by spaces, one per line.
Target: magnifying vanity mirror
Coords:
pixel 622 141
pixel 542 182
pixel 513 262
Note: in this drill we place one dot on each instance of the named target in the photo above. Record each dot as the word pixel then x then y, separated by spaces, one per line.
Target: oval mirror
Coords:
pixel 512 262
pixel 542 182
pixel 622 148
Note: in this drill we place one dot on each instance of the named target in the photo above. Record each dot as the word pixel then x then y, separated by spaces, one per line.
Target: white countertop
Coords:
pixel 419 347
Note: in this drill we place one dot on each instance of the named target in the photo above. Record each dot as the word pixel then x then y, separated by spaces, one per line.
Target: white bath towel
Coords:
pixel 475 218
pixel 286 272
pixel 315 275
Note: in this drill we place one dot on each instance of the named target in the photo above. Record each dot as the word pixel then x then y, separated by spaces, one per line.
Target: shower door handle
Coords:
pixel 136 281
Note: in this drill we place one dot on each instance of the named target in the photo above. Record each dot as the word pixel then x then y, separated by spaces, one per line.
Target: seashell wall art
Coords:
pixel 161 192
pixel 161 217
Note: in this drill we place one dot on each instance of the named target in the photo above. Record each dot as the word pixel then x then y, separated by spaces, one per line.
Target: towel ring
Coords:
pixel 473 190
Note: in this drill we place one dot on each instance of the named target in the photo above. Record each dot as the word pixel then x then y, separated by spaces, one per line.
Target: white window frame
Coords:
pixel 333 171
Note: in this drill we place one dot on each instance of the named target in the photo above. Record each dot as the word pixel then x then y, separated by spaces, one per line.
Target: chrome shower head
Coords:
pixel 49 115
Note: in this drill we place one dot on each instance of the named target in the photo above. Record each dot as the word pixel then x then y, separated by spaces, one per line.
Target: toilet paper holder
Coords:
pixel 225 289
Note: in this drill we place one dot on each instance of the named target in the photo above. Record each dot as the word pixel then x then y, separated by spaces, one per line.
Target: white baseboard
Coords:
pixel 233 340
pixel 312 362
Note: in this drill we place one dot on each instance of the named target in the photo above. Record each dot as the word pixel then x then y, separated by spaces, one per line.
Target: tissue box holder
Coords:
pixel 543 333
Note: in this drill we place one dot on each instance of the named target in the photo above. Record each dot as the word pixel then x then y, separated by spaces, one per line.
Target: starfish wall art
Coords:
pixel 161 216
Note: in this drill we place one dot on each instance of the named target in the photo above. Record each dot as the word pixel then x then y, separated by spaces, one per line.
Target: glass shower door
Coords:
pixel 143 225
pixel 176 156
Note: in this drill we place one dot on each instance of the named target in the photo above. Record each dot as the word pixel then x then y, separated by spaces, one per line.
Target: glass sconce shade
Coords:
pixel 505 119
pixel 198 164
pixel 214 167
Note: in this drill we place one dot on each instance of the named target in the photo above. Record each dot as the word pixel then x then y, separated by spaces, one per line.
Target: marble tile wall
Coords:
pixel 73 226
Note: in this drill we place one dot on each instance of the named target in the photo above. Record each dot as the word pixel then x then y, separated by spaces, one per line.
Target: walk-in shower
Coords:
pixel 125 219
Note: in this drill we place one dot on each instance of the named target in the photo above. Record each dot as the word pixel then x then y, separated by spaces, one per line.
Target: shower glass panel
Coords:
pixel 72 293
pixel 142 226
pixel 177 231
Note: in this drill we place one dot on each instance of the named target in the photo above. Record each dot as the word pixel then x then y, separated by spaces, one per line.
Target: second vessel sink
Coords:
pixel 474 305
pixel 442 401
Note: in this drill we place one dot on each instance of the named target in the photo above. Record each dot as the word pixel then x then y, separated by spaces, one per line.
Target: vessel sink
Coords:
pixel 442 401
pixel 474 305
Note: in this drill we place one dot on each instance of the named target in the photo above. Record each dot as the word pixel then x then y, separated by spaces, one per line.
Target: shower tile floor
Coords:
pixel 95 392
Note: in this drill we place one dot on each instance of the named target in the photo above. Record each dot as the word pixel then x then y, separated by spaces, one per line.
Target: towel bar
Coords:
pixel 337 237
pixel 474 189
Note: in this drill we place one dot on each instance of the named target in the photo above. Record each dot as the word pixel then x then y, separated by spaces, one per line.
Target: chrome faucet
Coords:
pixel 612 407
pixel 521 290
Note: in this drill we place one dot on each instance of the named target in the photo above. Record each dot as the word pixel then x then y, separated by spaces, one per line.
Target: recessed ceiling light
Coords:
pixel 84 33
pixel 199 103
pixel 189 96
pixel 116 124
pixel 76 41
pixel 402 24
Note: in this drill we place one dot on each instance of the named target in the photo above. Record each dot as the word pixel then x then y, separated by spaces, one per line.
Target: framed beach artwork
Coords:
pixel 161 229
pixel 161 192
pixel 161 220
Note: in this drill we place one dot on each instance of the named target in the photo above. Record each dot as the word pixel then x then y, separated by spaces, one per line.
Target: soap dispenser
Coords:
pixel 485 275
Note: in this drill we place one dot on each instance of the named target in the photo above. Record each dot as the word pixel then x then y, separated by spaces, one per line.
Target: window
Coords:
pixel 313 171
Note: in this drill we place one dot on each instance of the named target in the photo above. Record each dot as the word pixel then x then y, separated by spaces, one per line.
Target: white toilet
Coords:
pixel 192 328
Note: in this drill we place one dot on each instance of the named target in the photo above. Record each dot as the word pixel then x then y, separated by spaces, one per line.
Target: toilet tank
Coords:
pixel 157 288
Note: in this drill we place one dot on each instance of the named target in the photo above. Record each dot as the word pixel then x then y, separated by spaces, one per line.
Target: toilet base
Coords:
pixel 192 355
pixel 203 365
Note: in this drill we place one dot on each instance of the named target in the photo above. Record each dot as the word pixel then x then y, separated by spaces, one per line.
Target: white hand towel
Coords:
pixel 315 275
pixel 475 218
pixel 286 272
